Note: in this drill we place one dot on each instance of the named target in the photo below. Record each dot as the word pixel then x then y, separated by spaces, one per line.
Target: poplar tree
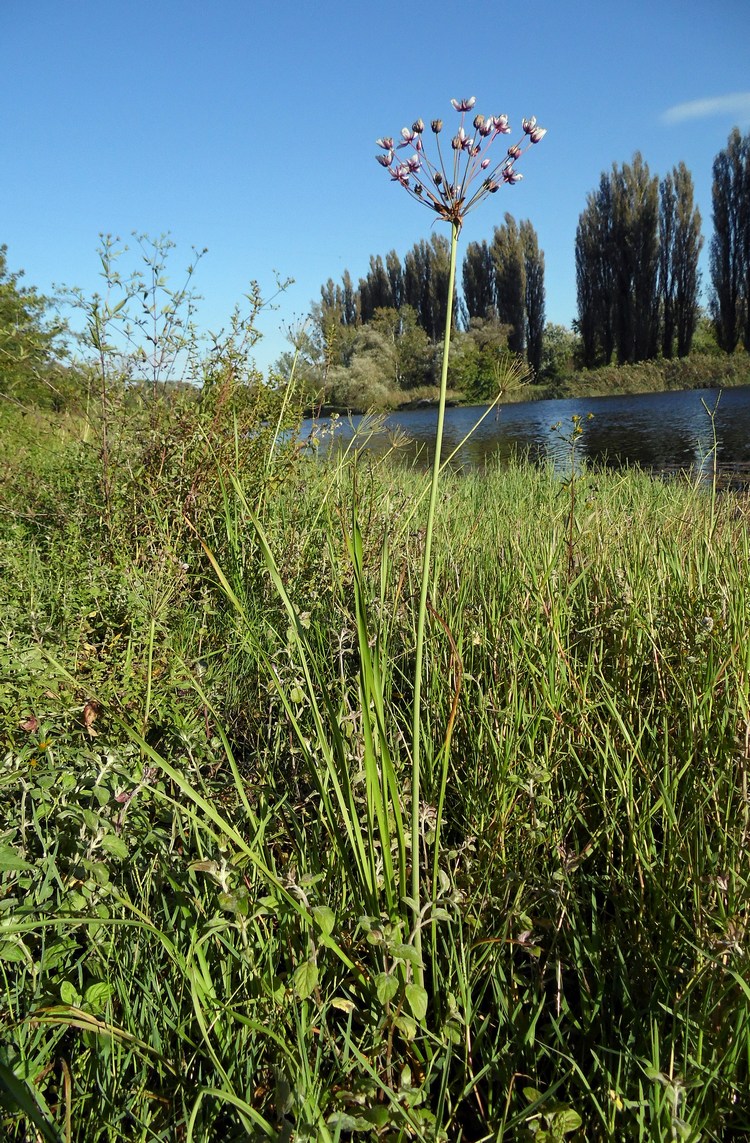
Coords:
pixel 478 281
pixel 595 276
pixel 730 244
pixel 634 248
pixel 510 282
pixel 533 259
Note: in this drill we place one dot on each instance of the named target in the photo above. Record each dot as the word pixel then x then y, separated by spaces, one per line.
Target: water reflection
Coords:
pixel 658 431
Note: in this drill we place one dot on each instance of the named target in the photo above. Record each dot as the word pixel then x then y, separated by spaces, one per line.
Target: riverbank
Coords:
pixel 699 371
pixel 205 691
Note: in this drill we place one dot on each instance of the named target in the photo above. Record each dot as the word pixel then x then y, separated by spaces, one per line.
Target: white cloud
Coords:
pixel 735 107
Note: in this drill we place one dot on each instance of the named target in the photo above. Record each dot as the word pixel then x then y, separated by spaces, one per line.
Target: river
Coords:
pixel 661 432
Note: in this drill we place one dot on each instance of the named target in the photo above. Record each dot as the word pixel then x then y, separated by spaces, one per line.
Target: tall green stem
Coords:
pixel 422 614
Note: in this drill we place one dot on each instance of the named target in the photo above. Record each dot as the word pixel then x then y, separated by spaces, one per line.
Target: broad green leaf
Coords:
pixel 10 858
pixel 13 952
pixel 386 987
pixel 115 845
pixel 406 1026
pixel 91 820
pixel 325 919
pixel 567 1120
pixel 417 997
pixel 96 996
pixel 69 994
pixel 305 979
pixel 408 953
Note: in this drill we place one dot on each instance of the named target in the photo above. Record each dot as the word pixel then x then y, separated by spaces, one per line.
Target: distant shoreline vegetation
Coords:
pixel 701 370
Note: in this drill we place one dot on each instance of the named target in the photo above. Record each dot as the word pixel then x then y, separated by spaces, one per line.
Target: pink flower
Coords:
pixel 464 104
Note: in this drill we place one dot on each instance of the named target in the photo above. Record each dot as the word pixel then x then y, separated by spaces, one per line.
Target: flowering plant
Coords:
pixel 452 195
pixel 451 191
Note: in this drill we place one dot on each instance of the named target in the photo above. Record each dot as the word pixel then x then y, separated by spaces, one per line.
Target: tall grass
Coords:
pixel 206 928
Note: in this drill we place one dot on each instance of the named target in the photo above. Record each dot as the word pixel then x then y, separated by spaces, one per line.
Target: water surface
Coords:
pixel 661 432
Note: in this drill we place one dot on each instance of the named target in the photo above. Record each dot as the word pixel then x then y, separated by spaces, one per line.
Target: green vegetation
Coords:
pixel 312 828
pixel 378 344
pixel 206 679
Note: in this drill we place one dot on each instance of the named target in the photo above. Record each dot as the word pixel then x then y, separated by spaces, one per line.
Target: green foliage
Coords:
pixel 203 929
pixel 31 346
pixel 730 243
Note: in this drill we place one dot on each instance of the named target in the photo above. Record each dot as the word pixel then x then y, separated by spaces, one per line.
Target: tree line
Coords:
pixel 637 248
pixel 638 283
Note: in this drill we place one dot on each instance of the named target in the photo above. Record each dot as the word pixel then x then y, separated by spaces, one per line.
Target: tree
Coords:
pixel 411 345
pixel 688 244
pixel 30 343
pixel 375 290
pixel 533 260
pixel 478 280
pixel 617 267
pixel 730 244
pixel 635 245
pixel 510 281
pixel 680 244
pixel 426 272
pixel 595 277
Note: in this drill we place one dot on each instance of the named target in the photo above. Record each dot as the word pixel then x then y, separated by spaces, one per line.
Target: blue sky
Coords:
pixel 249 127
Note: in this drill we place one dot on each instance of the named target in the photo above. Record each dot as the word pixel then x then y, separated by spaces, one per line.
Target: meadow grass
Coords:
pixel 206 924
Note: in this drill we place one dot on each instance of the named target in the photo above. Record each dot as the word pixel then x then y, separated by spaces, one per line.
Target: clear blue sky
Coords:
pixel 249 127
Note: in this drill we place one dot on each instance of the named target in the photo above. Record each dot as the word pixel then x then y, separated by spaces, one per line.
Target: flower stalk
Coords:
pixel 450 187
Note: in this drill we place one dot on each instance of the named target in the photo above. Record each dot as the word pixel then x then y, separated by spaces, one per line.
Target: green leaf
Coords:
pixel 305 979
pixel 115 845
pixel 13 952
pixel 10 858
pixel 567 1120
pixel 91 820
pixel 379 1116
pixel 325 919
pixel 406 1026
pixel 69 994
pixel 386 987
pixel 96 996
pixel 407 953
pixel 417 997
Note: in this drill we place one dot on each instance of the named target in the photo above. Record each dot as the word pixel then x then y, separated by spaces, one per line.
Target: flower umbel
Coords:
pixel 472 174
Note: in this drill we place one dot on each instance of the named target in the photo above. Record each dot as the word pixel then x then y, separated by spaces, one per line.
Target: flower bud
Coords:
pixel 437 125
pixel 537 134
pixel 529 124
pixel 417 126
pixel 478 121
